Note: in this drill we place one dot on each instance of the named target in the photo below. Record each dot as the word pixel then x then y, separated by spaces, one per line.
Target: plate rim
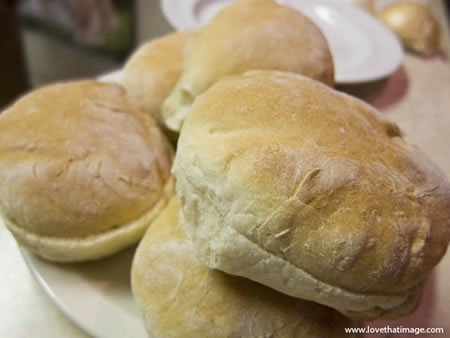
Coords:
pixel 50 293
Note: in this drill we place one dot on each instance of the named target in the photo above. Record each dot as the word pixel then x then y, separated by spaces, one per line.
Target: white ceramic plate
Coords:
pixel 95 295
pixel 363 49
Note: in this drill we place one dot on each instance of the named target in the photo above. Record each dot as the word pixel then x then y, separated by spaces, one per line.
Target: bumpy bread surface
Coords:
pixel 297 186
pixel 180 297
pixel 152 71
pixel 82 173
pixel 247 35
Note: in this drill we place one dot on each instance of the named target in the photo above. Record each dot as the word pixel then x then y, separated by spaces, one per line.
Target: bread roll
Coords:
pixel 246 35
pixel 179 297
pixel 152 71
pixel 307 190
pixel 82 174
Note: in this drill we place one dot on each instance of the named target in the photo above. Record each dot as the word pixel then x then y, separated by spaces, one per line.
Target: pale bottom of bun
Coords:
pixel 176 107
pixel 404 309
pixel 95 246
pixel 224 248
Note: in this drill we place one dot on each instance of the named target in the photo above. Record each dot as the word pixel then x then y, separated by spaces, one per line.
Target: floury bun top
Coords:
pixel 292 184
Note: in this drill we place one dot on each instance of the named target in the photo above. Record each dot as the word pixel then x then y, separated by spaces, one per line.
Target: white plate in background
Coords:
pixel 363 48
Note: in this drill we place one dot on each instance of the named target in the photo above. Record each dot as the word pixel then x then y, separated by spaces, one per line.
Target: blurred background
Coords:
pixel 53 40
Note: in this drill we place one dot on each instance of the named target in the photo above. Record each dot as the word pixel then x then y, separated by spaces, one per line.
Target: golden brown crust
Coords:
pixel 152 71
pixel 179 297
pixel 246 35
pixel 77 160
pixel 290 183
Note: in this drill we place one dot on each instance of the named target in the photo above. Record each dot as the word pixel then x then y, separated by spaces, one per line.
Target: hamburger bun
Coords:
pixel 152 71
pixel 179 297
pixel 82 172
pixel 297 186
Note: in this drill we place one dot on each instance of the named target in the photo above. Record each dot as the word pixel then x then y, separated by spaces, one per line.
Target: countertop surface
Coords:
pixel 417 97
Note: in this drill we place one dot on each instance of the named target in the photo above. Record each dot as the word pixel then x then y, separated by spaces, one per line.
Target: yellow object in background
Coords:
pixel 414 24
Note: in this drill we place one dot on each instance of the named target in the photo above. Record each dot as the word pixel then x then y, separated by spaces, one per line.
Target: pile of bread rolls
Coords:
pixel 298 210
